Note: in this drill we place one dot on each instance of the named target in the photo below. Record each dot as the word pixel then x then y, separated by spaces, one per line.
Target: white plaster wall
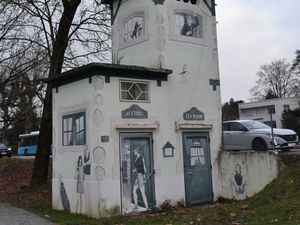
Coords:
pixel 257 168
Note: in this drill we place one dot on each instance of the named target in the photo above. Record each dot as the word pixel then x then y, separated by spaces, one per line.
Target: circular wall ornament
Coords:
pixel 100 173
pixel 98 117
pixel 98 82
pixel 99 155
pixel 98 100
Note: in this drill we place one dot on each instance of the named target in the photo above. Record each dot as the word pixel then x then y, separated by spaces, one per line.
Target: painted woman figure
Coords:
pixel 238 183
pixel 79 176
pixel 190 27
pixel 139 183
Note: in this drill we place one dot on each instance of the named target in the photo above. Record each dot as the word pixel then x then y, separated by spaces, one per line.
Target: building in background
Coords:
pixel 260 110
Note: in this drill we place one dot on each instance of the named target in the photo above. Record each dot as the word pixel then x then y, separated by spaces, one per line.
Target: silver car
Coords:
pixel 250 134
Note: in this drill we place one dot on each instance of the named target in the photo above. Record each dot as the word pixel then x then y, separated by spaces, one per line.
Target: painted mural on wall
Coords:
pixel 188 24
pixel 140 178
pixel 133 28
pixel 238 183
pixel 79 177
pixel 64 197
pixel 136 176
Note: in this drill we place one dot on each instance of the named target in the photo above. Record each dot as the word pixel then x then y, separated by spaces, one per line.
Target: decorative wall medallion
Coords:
pixel 99 155
pixel 193 114
pixel 98 82
pixel 134 112
pixel 98 117
pixel 100 173
pixel 168 150
pixel 158 2
pixel 214 83
pixel 98 100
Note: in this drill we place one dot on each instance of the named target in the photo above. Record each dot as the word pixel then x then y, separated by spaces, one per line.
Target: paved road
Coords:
pixel 10 215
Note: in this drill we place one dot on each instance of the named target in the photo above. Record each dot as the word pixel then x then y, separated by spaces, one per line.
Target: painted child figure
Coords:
pixel 238 183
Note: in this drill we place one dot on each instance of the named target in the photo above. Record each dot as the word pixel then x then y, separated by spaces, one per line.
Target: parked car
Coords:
pixel 250 134
pixel 4 151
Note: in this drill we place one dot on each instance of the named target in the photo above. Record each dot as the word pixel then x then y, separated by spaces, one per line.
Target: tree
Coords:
pixel 230 110
pixel 275 80
pixel 70 33
pixel 20 74
pixel 296 62
pixel 291 120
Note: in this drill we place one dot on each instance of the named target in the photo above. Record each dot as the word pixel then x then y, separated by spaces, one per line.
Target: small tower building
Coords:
pixel 146 129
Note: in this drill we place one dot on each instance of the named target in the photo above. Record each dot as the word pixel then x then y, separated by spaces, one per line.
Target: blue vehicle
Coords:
pixel 28 143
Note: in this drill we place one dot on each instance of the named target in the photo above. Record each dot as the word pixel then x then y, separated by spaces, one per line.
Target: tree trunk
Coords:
pixel 41 164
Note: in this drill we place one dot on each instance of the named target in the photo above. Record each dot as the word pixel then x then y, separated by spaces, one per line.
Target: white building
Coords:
pixel 260 110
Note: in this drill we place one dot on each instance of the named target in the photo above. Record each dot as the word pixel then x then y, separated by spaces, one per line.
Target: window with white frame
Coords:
pixel 74 130
pixel 134 91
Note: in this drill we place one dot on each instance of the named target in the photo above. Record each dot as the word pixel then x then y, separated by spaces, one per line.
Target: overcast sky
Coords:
pixel 252 33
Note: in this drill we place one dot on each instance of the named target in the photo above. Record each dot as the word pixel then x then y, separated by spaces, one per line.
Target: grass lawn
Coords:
pixel 278 203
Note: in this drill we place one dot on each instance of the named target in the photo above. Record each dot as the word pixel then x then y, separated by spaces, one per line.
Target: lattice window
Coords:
pixel 134 91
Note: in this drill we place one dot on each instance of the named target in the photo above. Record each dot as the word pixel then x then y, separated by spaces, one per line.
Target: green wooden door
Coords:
pixel 197 169
pixel 137 172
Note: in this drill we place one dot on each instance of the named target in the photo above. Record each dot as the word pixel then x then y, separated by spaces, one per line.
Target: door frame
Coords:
pixel 196 134
pixel 137 135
